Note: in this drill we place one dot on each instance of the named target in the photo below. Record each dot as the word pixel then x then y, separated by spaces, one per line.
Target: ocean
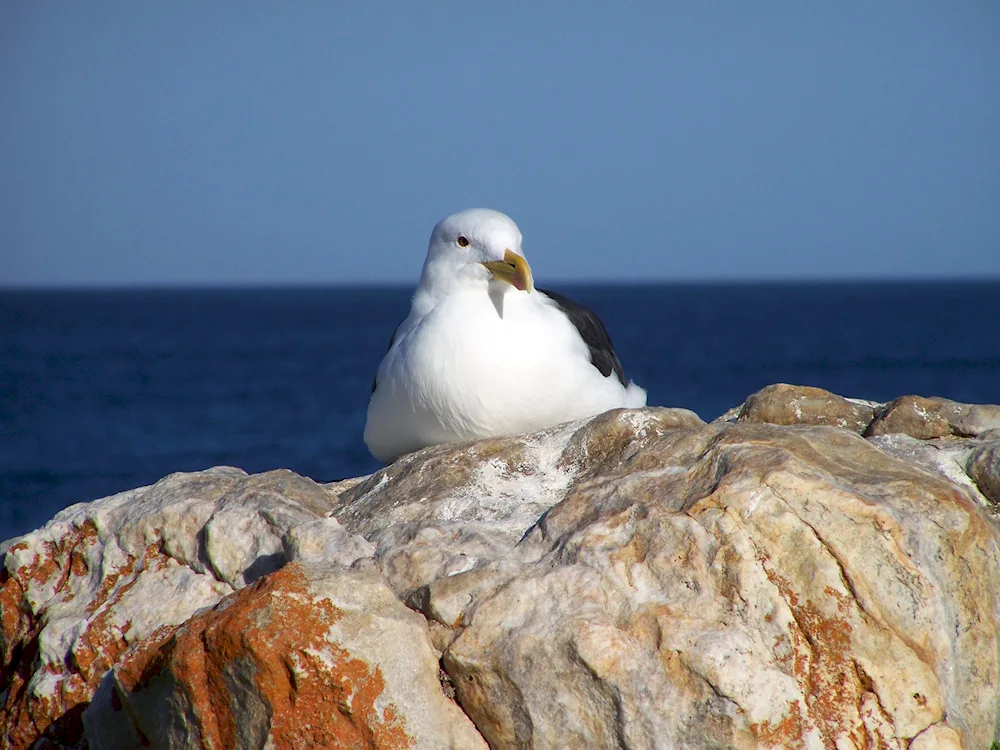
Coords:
pixel 102 391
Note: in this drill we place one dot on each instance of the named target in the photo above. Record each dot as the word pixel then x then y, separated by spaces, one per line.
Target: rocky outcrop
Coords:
pixel 309 656
pixel 808 571
pixel 927 418
pixel 790 404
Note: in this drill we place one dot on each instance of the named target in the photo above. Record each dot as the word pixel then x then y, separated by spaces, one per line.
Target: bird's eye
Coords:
pixel 463 241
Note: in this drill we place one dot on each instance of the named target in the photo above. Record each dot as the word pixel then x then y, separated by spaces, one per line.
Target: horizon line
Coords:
pixel 264 285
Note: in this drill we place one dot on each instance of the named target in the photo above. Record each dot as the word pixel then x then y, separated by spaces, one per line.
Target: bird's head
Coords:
pixel 476 245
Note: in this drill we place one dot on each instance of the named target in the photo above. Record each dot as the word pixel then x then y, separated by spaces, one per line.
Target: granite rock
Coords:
pixel 310 656
pixel 638 580
pixel 927 418
pixel 799 404
pixel 983 467
pixel 103 576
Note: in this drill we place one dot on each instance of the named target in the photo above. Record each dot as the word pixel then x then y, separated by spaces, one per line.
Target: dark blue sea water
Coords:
pixel 101 391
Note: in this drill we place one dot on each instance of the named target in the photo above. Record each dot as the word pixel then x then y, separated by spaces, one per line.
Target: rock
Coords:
pixel 638 580
pixel 442 510
pixel 984 469
pixel 105 575
pixel 309 656
pixel 965 462
pixel 926 418
pixel 799 404
pixel 773 593
pixel 938 737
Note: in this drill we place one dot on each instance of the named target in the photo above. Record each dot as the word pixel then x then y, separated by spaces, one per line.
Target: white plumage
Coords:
pixel 482 353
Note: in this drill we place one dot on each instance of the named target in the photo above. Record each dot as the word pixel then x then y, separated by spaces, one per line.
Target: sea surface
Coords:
pixel 102 391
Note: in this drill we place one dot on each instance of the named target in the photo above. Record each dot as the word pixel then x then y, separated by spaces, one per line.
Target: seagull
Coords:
pixel 484 352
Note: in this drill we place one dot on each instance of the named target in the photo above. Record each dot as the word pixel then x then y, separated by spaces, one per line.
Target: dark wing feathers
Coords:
pixel 593 333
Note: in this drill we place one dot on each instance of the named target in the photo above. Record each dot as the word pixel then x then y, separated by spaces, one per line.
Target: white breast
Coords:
pixel 462 372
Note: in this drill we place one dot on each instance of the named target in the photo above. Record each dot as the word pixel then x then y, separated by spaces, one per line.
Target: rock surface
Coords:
pixel 790 404
pixel 927 418
pixel 809 571
pixel 309 656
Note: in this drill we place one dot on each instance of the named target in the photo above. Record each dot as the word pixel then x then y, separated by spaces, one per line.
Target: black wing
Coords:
pixel 392 339
pixel 593 333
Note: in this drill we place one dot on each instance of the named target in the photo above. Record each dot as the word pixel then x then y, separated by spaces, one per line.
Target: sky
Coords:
pixel 231 143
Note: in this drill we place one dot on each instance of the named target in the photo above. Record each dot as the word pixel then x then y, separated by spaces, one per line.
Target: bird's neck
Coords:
pixel 437 284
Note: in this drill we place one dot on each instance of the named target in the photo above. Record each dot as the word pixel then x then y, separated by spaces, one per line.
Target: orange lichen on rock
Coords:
pixel 26 717
pixel 268 645
pixel 789 732
pixel 99 646
pixel 832 680
pixel 53 716
pixel 12 621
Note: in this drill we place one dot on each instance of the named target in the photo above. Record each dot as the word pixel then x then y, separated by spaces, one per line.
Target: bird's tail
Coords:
pixel 635 397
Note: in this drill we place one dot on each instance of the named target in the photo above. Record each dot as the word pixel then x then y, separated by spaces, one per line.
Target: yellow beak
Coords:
pixel 514 270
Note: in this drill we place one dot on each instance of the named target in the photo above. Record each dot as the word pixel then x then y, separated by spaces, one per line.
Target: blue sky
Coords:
pixel 309 142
